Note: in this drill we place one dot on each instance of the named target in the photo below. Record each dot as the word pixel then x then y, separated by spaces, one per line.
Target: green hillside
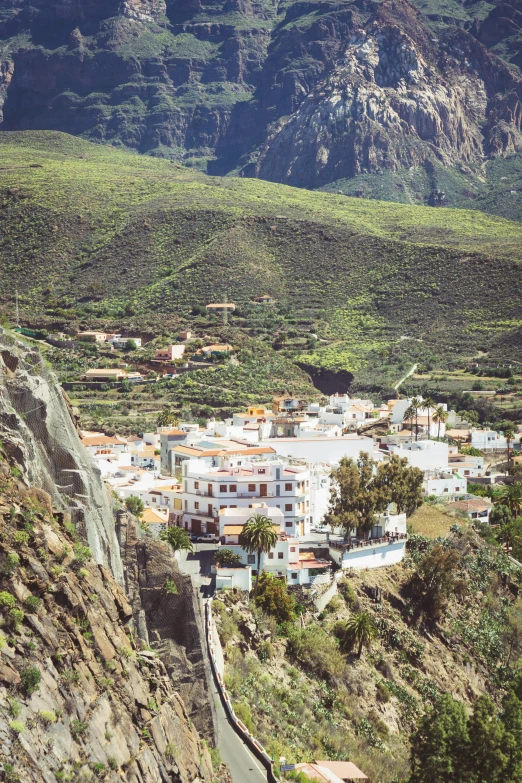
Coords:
pixel 90 234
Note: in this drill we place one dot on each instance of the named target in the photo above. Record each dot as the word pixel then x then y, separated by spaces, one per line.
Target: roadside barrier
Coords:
pixel 239 727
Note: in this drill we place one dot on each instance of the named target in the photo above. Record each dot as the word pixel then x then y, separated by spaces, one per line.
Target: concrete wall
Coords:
pixel 391 554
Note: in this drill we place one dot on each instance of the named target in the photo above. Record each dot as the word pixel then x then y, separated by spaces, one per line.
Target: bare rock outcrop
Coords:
pixel 79 699
pixel 38 430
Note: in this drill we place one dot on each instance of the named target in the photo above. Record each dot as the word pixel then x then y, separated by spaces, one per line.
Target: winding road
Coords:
pixel 243 765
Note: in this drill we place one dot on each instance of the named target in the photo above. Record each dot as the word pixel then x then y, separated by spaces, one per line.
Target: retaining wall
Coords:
pixel 240 729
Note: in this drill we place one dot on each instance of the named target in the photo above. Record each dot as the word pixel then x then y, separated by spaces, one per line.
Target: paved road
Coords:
pixel 244 767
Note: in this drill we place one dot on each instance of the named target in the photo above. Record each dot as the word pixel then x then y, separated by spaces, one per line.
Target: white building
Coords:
pixel 385 547
pixel 490 440
pixel 320 449
pixel 423 454
pixel 242 483
pixel 122 342
pixel 445 485
pixel 284 559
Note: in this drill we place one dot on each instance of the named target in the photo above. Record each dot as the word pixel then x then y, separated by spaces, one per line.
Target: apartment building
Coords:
pixel 243 483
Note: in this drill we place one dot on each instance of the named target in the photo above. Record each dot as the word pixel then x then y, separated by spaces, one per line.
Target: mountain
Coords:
pixel 303 93
pixel 95 236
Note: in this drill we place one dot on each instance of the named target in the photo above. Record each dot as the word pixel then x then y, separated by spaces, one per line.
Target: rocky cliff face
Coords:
pixel 39 433
pixel 301 93
pixel 92 685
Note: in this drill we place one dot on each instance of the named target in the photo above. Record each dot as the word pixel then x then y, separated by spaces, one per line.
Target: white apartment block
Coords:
pixel 240 483
pixel 445 485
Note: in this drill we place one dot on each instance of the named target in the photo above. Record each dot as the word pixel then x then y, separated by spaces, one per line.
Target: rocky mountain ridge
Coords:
pixel 298 93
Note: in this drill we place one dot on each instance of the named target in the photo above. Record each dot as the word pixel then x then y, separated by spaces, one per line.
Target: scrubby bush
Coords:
pixel 32 603
pixel 16 617
pixel 7 600
pixel 31 677
pixel 16 726
pixel 21 537
pixel 316 650
pixel 48 717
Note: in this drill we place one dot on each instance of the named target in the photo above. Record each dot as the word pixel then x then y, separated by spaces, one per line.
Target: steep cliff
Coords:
pixel 38 431
pixel 301 93
pixel 82 694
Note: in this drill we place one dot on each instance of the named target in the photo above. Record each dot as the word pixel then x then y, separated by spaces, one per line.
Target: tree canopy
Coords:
pixel 178 538
pixel 362 489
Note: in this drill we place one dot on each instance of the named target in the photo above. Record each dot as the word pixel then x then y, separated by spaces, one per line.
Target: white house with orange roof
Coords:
pixel 243 480
pixel 285 559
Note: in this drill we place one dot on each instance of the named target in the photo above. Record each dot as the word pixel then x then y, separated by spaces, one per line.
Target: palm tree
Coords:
pixel 509 434
pixel 416 404
pixel 167 418
pixel 512 498
pixel 258 535
pixel 359 631
pixel 440 416
pixel 409 415
pixel 509 534
pixel 178 538
pixel 429 403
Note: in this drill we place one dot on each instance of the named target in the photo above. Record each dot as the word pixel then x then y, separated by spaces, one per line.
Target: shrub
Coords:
pixel 113 763
pixel 48 717
pixel 242 711
pixel 21 537
pixel 99 768
pixel 170 586
pixel 347 592
pixel 170 750
pixel 15 708
pixel 16 726
pixel 11 562
pixel 382 693
pixel 81 554
pixel 78 727
pixel 31 677
pixel 273 597
pixel 32 603
pixel 7 600
pixel 265 651
pixel 16 617
pixel 316 650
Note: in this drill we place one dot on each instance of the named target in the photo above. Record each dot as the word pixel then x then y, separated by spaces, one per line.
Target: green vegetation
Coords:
pixel 178 538
pixel 258 536
pixel 359 275
pixel 135 505
pixel 31 677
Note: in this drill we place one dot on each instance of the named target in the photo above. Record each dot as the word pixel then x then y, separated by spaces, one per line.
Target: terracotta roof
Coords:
pixel 346 770
pixel 174 432
pixel 102 440
pixel 474 504
pixel 151 515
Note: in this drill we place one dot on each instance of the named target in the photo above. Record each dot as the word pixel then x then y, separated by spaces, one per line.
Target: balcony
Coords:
pixel 201 493
pixel 358 543
pixel 255 495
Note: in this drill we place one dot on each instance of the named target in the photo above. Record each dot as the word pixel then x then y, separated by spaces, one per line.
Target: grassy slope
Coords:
pixel 98 229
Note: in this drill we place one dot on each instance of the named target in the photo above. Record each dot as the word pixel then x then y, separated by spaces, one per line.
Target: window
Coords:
pixel 288 506
pixel 288 523
pixel 280 555
pixel 278 474
pixel 445 489
pixel 233 506
pixel 222 487
pixel 222 507
pixel 270 555
pixel 251 487
pixel 251 559
pixel 196 485
pixel 261 470
pixel 154 500
pixel 233 488
pixel 457 489
pixel 294 574
pixel 288 487
pixel 186 505
pixel 292 549
pixel 278 490
pixel 196 505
